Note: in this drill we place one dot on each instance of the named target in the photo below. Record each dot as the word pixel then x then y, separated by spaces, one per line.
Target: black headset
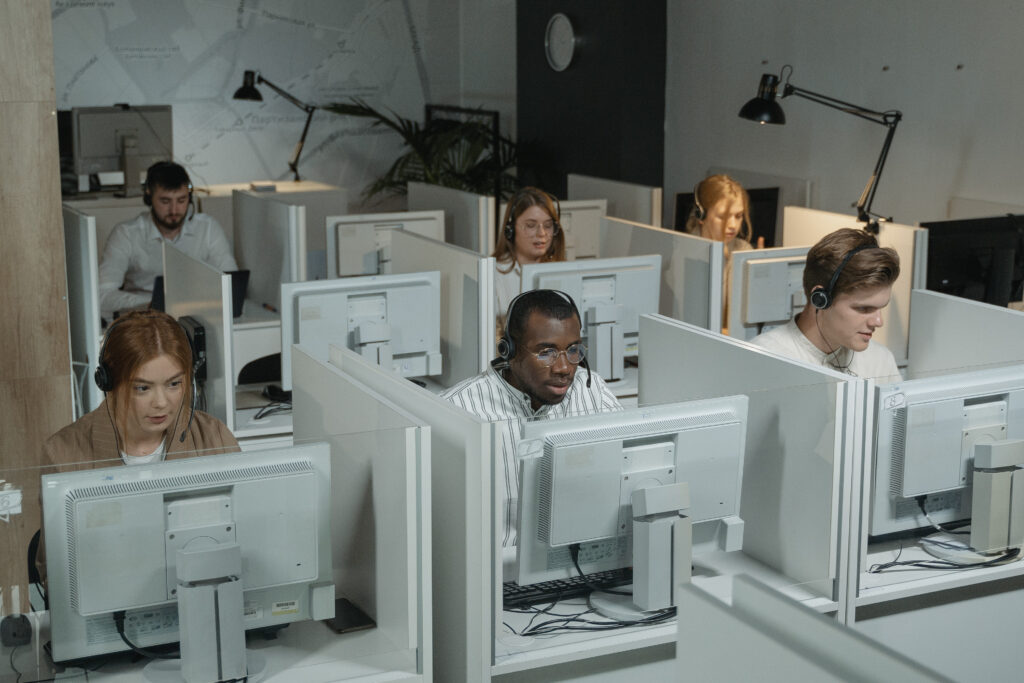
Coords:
pixel 150 182
pixel 507 348
pixel 510 227
pixel 104 376
pixel 823 298
pixel 698 209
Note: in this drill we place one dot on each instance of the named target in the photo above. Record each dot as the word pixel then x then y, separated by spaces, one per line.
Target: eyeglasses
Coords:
pixel 574 354
pixel 533 227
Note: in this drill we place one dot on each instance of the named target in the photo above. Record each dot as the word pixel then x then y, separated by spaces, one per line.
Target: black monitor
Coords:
pixel 977 258
pixel 764 208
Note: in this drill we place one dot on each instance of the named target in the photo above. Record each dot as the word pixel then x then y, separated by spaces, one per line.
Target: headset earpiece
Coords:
pixel 820 298
pixel 698 208
pixel 823 297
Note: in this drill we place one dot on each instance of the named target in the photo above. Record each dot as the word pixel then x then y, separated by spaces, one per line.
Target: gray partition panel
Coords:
pixel 691 285
pixel 791 500
pixel 640 203
pixel 361 244
pixel 82 263
pixel 469 218
pixel 270 242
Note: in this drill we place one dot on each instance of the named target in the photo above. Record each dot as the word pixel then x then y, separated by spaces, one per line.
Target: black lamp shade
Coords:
pixel 764 108
pixel 248 91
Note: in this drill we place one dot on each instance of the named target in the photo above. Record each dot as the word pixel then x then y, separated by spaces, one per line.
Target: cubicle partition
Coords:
pixel 949 334
pixel 82 263
pixel 380 512
pixel 629 201
pixel 798 486
pixel 467 300
pixel 361 244
pixel 108 212
pixel 691 285
pixel 468 217
pixel 804 227
pixel 270 242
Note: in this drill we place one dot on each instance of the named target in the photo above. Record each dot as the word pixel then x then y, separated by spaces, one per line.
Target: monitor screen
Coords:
pixel 392 320
pixel 577 475
pixel 977 258
pixel 925 433
pixel 101 136
pixel 611 295
pixel 112 536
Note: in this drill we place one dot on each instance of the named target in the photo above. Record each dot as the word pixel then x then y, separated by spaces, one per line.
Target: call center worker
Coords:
pixel 848 281
pixel 534 377
pixel 133 255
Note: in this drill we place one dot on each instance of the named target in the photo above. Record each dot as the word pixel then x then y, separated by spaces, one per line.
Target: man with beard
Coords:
pixel 533 378
pixel 133 256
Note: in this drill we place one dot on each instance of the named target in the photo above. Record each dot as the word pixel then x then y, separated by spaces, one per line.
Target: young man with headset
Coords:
pixel 848 280
pixel 534 377
pixel 133 255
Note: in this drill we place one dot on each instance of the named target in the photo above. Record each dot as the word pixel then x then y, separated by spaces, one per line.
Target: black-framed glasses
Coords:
pixel 574 354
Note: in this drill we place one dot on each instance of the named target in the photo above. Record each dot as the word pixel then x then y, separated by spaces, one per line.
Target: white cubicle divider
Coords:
pixel 82 263
pixel 361 244
pixel 270 242
pixel 196 289
pixel 767 637
pixel 462 515
pixel 108 212
pixel 804 227
pixel 469 217
pixel 765 289
pixel 467 301
pixel 380 512
pixel 632 202
pixel 801 450
pixel 691 284
pixel 581 222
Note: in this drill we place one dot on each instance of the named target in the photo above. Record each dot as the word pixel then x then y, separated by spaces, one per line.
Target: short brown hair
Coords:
pixel 523 199
pixel 872 266
pixel 133 340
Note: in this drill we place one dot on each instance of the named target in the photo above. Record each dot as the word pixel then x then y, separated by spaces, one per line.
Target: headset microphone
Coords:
pixel 192 408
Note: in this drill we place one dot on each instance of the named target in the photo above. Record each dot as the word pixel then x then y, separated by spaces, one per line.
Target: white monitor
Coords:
pixel 577 475
pixel 766 290
pixel 361 244
pixel 120 139
pixel 611 295
pixel 392 320
pixel 925 433
pixel 112 537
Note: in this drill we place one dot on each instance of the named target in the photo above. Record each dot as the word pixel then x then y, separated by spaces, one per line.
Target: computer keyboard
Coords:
pixel 514 595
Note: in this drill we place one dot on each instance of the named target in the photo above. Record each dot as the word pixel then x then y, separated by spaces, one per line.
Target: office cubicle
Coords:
pixel 469 218
pixel 82 263
pixel 804 227
pixel 270 242
pixel 467 301
pixel 691 285
pixel 629 201
pixel 798 471
pixel 361 244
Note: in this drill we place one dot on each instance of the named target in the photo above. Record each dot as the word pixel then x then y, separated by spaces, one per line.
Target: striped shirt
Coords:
pixel 490 397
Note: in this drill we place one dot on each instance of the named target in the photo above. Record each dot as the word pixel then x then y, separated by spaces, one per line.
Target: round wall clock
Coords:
pixel 559 42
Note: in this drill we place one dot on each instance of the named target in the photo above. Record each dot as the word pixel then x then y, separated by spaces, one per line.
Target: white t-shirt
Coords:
pixel 875 362
pixel 155 456
pixel 133 257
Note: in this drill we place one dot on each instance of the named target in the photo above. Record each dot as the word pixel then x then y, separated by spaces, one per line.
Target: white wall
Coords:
pixel 398 54
pixel 960 135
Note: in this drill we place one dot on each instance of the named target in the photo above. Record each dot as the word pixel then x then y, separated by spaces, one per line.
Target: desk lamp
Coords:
pixel 249 91
pixel 764 109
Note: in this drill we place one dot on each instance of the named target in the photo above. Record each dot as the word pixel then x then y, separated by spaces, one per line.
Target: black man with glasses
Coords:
pixel 534 377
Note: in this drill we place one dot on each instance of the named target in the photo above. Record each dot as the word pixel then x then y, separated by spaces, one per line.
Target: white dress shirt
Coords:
pixel 876 361
pixel 490 397
pixel 133 257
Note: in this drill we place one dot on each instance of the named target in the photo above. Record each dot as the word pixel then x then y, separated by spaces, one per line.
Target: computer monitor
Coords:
pixel 925 433
pixel 611 295
pixel 977 258
pixel 766 289
pixel 764 208
pixel 577 476
pixel 121 139
pixel 393 320
pixel 112 536
pixel 361 244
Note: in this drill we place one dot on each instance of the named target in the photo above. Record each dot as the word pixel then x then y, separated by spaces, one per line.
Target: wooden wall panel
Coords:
pixel 34 354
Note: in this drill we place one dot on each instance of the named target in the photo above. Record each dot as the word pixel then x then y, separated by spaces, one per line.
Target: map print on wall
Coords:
pixel 191 54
